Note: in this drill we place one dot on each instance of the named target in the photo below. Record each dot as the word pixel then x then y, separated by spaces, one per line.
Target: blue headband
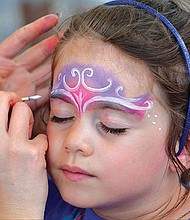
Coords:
pixel 184 50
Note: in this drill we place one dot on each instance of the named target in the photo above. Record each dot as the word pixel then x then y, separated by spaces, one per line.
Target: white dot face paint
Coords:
pixel 85 85
pixel 153 119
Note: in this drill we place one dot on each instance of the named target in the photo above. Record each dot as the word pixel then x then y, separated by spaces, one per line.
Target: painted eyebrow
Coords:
pixel 97 104
pixel 119 108
pixel 110 105
pixel 62 97
pixel 102 105
pixel 54 96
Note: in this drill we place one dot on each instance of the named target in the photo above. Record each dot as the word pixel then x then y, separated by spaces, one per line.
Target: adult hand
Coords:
pixel 26 73
pixel 23 179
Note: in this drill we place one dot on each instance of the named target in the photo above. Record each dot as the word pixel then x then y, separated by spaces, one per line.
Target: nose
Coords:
pixel 79 138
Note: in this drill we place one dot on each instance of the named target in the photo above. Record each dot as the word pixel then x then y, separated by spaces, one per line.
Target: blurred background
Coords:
pixel 16 13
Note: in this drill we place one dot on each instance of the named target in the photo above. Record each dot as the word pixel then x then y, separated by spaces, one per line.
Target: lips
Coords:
pixel 75 174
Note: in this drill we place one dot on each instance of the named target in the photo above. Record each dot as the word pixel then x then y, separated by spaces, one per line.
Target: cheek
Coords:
pixel 132 174
pixel 135 164
pixel 55 140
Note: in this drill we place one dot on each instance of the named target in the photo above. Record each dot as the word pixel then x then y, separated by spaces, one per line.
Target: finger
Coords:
pixel 6 101
pixel 20 38
pixel 42 74
pixel 38 53
pixel 21 121
pixel 41 141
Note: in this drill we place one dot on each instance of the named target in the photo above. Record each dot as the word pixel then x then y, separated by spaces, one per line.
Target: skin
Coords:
pixel 131 171
pixel 20 155
pixel 26 73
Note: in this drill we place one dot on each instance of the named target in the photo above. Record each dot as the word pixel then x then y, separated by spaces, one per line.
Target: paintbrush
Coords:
pixel 33 97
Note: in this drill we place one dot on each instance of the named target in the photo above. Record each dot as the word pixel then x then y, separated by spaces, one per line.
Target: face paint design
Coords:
pixel 84 85
pixel 153 119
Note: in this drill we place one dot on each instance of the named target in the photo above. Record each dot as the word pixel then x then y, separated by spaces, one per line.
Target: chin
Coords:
pixel 77 201
pixel 78 198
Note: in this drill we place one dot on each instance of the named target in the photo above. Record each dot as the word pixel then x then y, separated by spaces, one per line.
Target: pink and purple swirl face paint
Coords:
pixel 86 84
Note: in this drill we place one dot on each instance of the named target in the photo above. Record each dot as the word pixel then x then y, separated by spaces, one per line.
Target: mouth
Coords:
pixel 75 174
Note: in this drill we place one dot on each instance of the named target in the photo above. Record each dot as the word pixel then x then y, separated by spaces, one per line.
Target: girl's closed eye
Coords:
pixel 114 131
pixel 56 119
pixel 114 122
pixel 62 111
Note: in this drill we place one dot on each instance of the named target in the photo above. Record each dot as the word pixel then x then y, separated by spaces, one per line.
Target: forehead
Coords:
pixel 86 85
pixel 105 57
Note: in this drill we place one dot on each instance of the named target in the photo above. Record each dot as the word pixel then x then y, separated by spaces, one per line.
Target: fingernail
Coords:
pixel 50 22
pixel 51 19
pixel 59 14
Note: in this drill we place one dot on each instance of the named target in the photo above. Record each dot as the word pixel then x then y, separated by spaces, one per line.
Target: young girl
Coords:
pixel 118 125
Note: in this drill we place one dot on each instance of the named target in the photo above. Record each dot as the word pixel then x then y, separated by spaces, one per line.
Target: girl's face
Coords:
pixel 106 132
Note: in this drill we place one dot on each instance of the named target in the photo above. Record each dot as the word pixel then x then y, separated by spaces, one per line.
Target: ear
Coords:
pixel 184 156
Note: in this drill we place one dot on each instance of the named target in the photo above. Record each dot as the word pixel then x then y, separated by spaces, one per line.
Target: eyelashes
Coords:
pixel 116 131
pixel 56 119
